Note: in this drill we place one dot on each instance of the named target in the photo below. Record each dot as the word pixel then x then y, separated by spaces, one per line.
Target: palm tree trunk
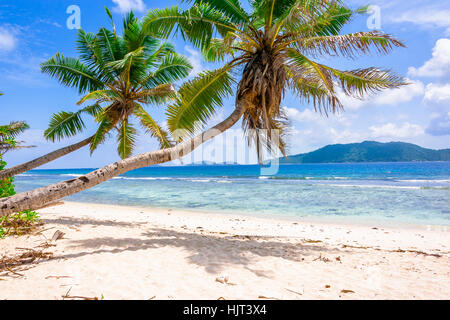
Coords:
pixel 35 199
pixel 24 167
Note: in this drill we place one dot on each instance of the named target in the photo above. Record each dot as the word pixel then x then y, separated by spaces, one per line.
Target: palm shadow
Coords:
pixel 210 251
pixel 71 221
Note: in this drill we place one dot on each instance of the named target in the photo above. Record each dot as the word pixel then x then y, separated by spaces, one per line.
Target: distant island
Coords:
pixel 369 151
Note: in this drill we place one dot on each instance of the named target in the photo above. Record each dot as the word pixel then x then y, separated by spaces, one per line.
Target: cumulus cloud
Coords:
pixel 391 130
pixel 438 65
pixel 7 40
pixel 128 5
pixel 437 94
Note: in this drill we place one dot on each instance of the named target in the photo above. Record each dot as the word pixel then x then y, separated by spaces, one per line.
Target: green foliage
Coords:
pixel 199 99
pixel 118 73
pixel 19 223
pixel 8 133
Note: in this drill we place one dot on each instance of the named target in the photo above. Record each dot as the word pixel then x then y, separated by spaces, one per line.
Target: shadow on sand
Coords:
pixel 211 251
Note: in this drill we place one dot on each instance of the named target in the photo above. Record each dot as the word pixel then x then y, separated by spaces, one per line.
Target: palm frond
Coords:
pixel 232 8
pixel 315 18
pixel 198 24
pixel 89 49
pixel 218 50
pixel 173 67
pixel 100 96
pixel 312 91
pixel 161 22
pixel 126 137
pixel 67 124
pixel 361 82
pixel 198 100
pixel 157 95
pixel 109 44
pixel 349 45
pixel 13 129
pixel 152 127
pixel 64 124
pixel 72 72
pixel 104 127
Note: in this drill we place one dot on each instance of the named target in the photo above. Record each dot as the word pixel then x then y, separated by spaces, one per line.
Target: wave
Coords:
pixel 143 178
pixel 373 186
pixel 425 180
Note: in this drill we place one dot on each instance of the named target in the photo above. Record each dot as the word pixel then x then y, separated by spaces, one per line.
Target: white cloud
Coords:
pixel 306 115
pixel 435 93
pixel 429 18
pixel 196 60
pixel 7 40
pixel 438 65
pixel 313 117
pixel 128 5
pixel 425 14
pixel 391 130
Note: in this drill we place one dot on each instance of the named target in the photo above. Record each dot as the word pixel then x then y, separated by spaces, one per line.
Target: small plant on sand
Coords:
pixel 26 221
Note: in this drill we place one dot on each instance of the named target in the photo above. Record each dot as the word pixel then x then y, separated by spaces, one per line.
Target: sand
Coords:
pixel 115 252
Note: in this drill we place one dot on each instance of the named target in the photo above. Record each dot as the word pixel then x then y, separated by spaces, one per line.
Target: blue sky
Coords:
pixel 32 31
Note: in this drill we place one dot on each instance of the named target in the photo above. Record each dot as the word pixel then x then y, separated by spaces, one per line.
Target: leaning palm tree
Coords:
pixel 266 52
pixel 272 49
pixel 121 75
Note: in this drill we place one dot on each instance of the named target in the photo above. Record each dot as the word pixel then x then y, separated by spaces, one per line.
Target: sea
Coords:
pixel 413 193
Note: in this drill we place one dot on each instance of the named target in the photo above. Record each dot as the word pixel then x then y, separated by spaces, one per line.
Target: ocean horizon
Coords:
pixel 400 193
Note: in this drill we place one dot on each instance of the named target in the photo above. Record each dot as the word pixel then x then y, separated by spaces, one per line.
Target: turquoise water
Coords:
pixel 415 192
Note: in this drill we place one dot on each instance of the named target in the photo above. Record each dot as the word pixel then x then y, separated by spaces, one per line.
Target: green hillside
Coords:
pixel 369 151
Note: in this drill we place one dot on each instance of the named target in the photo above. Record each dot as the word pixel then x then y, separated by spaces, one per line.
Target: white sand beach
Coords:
pixel 115 252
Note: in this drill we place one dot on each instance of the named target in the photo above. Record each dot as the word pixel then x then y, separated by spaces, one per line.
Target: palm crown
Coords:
pixel 272 49
pixel 120 74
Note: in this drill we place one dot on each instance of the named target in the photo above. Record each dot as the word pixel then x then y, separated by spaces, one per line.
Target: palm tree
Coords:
pixel 272 49
pixel 121 74
pixel 8 134
pixel 269 49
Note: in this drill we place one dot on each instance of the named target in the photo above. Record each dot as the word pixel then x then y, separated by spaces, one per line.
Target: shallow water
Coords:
pixel 414 192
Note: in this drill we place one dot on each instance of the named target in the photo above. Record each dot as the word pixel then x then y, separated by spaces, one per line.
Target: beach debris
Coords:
pixel 57 277
pixel 223 279
pixel 57 235
pixel 338 259
pixel 418 252
pixel 347 291
pixel 19 262
pixel 320 258
pixel 221 298
pixel 327 286
pixel 311 241
pixel 152 298
pixel 67 296
pixel 268 298
pixel 300 294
